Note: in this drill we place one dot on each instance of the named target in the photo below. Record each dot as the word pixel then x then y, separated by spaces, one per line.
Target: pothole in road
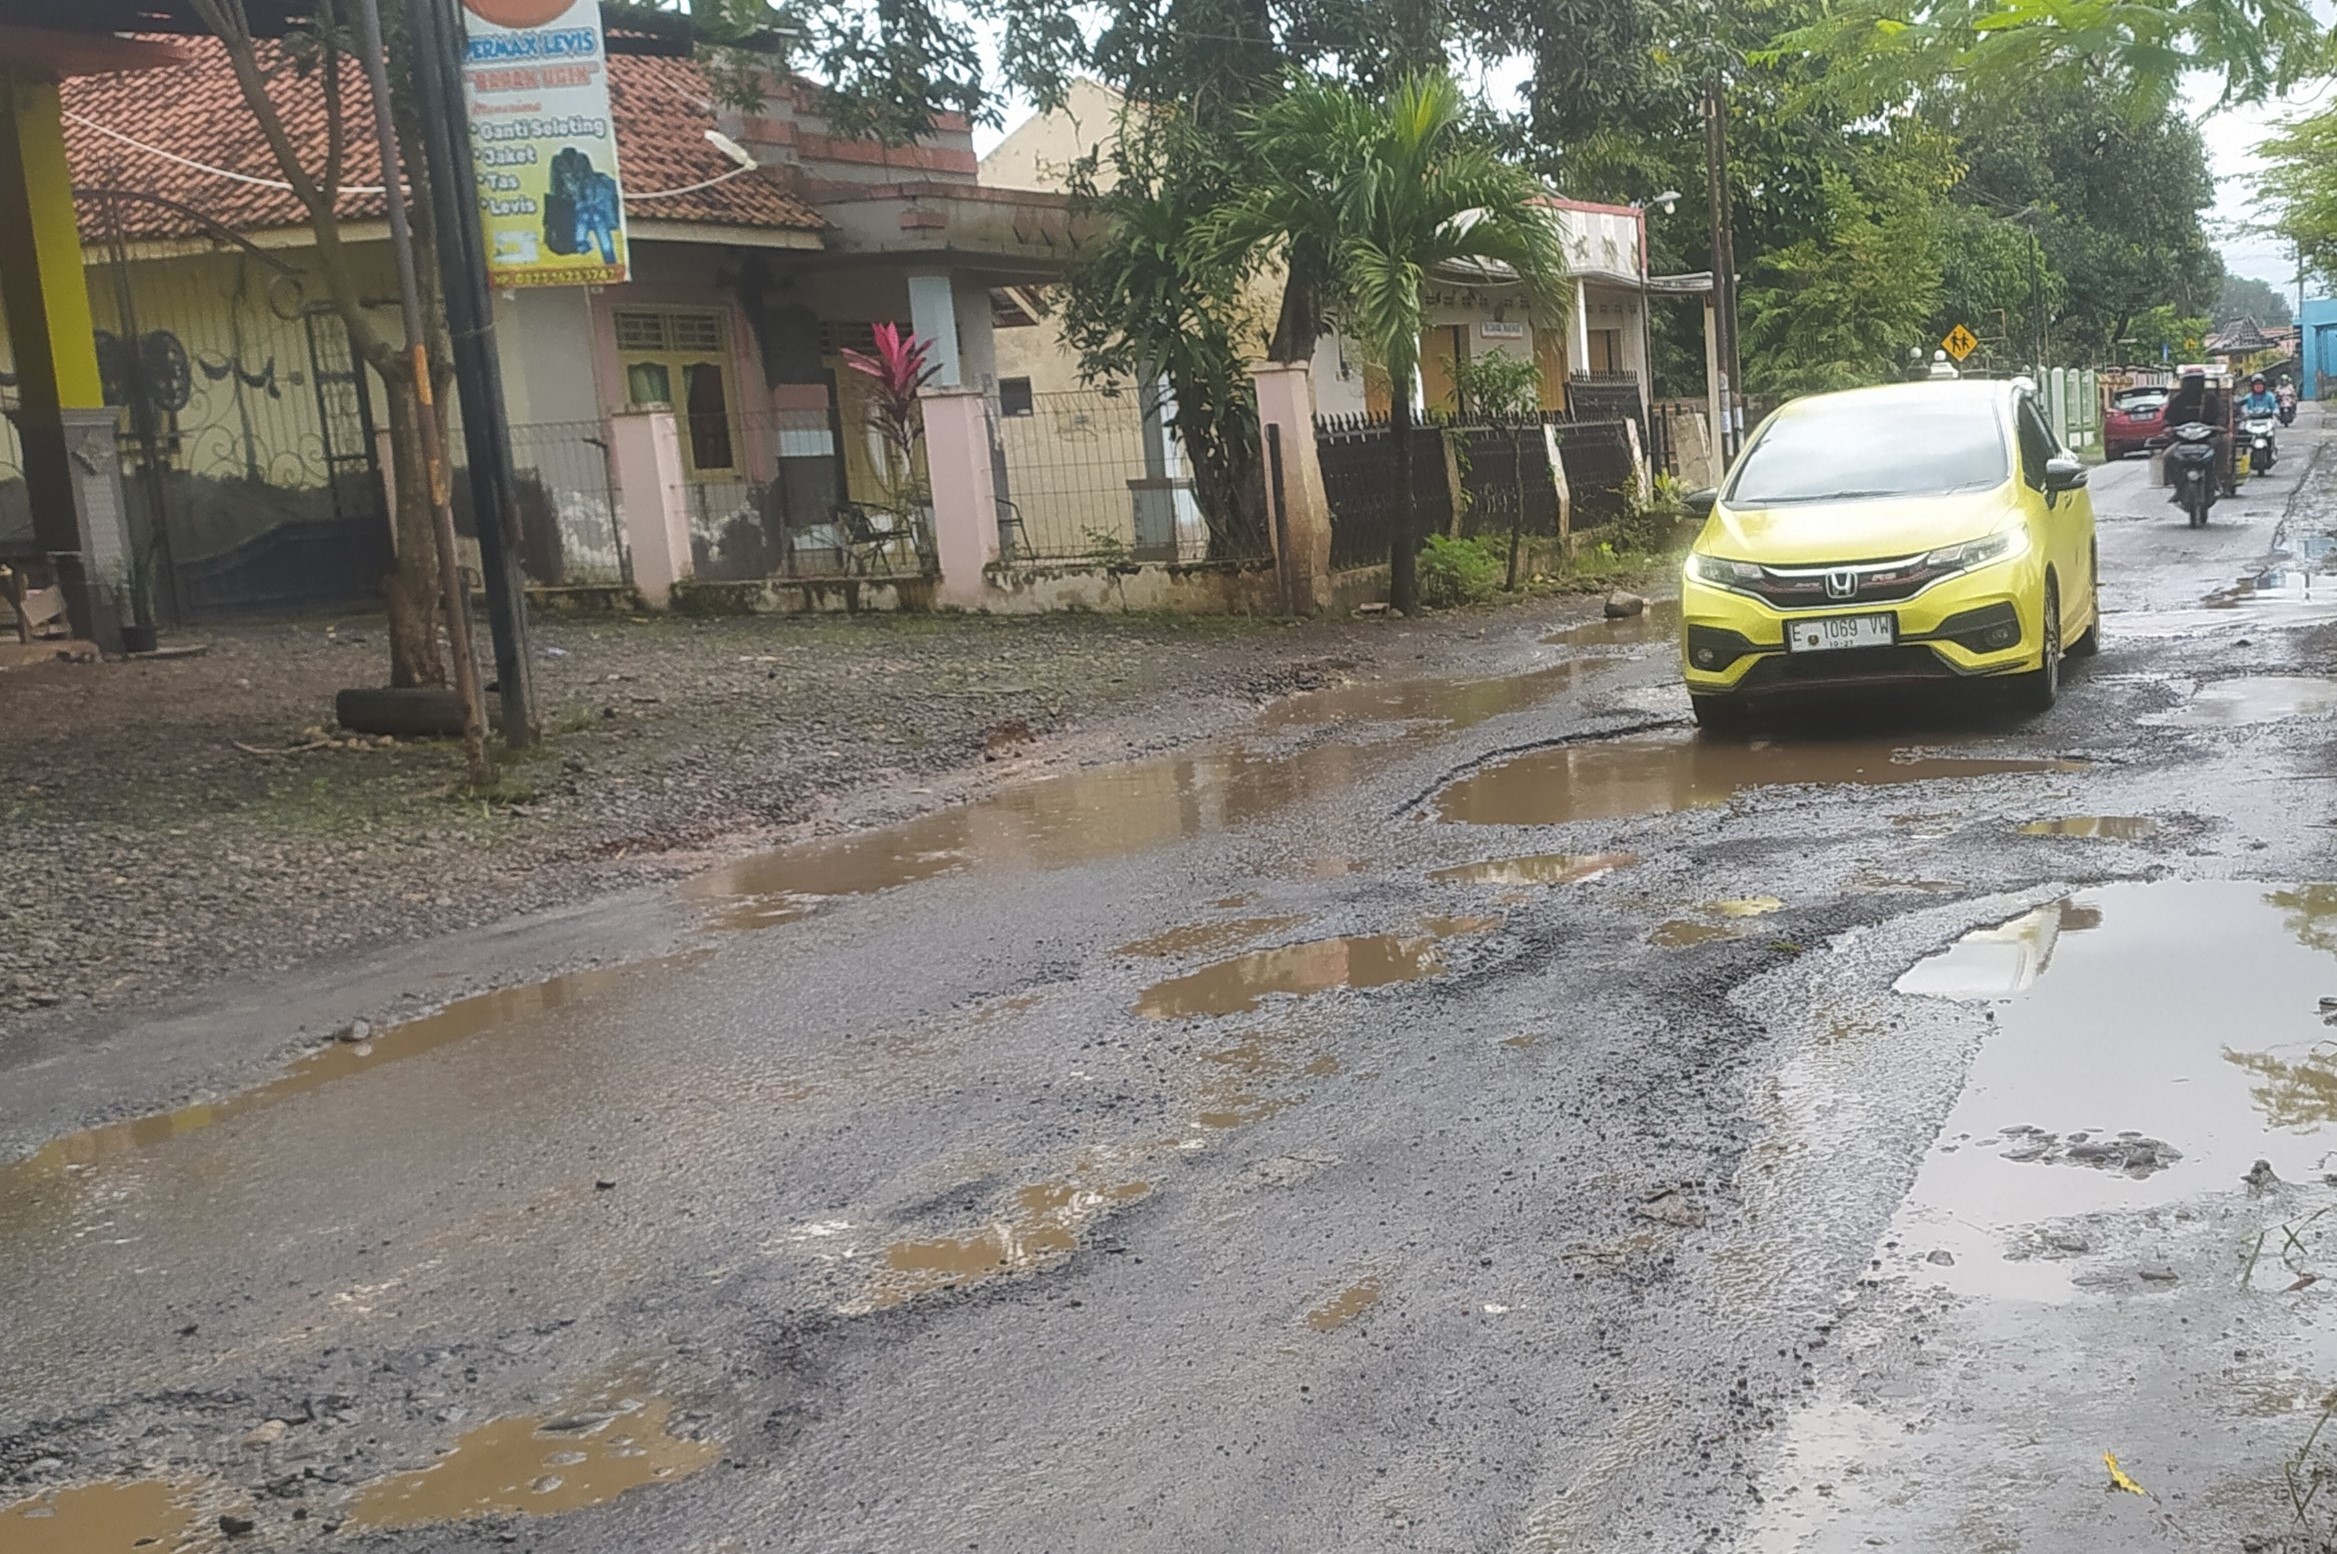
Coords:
pixel 1537 869
pixel 1347 1306
pixel 1455 704
pixel 2246 699
pixel 1653 624
pixel 540 1465
pixel 2151 1042
pixel 1205 938
pixel 2117 828
pixel 1238 985
pixel 1714 920
pixel 1042 1224
pixel 1657 773
pixel 464 1018
pixel 145 1515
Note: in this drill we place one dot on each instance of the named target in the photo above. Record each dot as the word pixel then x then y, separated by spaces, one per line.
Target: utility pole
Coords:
pixel 478 372
pixel 450 577
pixel 2036 299
pixel 1724 279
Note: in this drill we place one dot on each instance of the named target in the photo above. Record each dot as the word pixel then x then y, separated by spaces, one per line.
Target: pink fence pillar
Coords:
pixel 1302 526
pixel 645 455
pixel 965 494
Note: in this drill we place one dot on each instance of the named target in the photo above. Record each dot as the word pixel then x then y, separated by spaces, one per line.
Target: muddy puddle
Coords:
pixel 2151 1042
pixel 1053 823
pixel 586 1453
pixel 1041 1224
pixel 1537 869
pixel 1349 1305
pixel 1658 622
pixel 2115 828
pixel 1453 704
pixel 2247 699
pixel 458 1021
pixel 1656 773
pixel 1239 985
pixel 136 1516
pixel 1712 921
pixel 1205 938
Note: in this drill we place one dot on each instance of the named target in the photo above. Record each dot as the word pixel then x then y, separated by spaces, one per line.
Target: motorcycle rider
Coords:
pixel 2258 401
pixel 2193 404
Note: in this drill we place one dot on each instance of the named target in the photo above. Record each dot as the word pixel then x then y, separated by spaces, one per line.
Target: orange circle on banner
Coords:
pixel 518 13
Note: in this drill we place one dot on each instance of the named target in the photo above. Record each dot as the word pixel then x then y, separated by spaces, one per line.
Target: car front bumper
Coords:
pixel 1980 623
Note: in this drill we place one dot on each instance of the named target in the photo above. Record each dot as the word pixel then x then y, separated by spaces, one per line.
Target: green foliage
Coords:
pixel 2298 188
pixel 1155 293
pixel 1456 572
pixel 2244 296
pixel 1651 520
pixel 2166 333
pixel 1498 384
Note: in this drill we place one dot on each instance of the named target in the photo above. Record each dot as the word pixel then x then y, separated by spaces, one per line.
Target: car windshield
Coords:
pixel 1851 448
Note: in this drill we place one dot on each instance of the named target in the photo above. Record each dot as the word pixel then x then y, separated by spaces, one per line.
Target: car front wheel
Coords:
pixel 2039 689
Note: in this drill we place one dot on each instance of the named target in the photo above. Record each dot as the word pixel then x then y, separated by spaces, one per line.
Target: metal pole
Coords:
pixel 450 578
pixel 2036 301
pixel 1723 262
pixel 462 268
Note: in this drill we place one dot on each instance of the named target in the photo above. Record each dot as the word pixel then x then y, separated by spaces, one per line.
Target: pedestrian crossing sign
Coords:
pixel 1960 342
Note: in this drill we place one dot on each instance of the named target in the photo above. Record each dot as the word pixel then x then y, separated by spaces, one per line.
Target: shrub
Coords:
pixel 1454 572
pixel 1649 524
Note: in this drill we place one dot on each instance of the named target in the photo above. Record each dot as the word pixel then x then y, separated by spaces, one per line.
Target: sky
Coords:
pixel 2231 134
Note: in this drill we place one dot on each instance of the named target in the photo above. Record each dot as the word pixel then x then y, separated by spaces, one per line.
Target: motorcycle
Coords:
pixel 2191 470
pixel 2287 396
pixel 2258 431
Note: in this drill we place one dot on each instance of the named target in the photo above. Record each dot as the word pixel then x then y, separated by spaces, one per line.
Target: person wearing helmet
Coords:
pixel 2195 401
pixel 2259 400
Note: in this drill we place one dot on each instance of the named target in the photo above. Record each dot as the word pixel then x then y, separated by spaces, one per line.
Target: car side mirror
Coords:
pixel 2064 472
pixel 1699 503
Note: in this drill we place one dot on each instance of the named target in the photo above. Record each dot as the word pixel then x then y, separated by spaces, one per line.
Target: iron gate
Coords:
pixel 247 431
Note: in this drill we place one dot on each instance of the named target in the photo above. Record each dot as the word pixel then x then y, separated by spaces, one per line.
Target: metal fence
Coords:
pixel 246 421
pixel 1600 474
pixel 1505 480
pixel 1358 459
pixel 571 531
pixel 785 493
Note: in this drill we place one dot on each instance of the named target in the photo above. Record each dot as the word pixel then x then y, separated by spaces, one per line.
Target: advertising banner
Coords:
pixel 536 85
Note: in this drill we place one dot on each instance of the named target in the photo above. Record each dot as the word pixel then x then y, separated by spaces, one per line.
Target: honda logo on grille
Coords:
pixel 1841 583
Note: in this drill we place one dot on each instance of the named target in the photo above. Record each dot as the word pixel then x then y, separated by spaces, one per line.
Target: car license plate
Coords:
pixel 1829 632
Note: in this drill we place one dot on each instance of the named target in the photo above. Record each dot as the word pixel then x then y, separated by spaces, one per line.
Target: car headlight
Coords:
pixel 1721 573
pixel 1978 553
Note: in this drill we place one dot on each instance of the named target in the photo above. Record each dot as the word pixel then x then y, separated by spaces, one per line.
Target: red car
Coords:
pixel 2136 416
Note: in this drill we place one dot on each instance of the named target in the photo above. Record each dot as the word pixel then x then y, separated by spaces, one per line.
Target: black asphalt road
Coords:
pixel 1167 1158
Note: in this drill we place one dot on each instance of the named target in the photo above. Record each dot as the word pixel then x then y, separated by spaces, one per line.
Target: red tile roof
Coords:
pixel 195 112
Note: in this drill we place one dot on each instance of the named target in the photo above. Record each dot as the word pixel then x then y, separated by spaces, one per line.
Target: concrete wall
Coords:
pixel 1040 151
pixel 2318 377
pixel 1209 588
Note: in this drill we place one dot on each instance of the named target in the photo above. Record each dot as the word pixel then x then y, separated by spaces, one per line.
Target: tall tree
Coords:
pixel 1389 189
pixel 2244 296
pixel 308 78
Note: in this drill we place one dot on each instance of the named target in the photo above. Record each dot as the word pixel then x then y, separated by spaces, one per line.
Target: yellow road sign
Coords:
pixel 1960 342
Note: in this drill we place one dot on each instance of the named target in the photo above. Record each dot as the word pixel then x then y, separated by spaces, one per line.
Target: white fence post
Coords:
pixel 645 457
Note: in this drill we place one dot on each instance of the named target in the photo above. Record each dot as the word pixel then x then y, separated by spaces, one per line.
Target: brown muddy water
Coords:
pixel 1537 869
pixel 1454 704
pixel 2246 699
pixel 1656 773
pixel 1238 985
pixel 133 1516
pixel 1653 624
pixel 1053 823
pixel 464 1018
pixel 2151 1042
pixel 584 1454
pixel 1347 1306
pixel 1205 938
pixel 1040 1224
pixel 2117 828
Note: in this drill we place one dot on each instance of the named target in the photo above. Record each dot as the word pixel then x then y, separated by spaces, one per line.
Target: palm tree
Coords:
pixel 1384 193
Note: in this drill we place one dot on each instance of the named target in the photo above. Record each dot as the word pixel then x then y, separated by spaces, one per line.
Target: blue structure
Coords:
pixel 2317 375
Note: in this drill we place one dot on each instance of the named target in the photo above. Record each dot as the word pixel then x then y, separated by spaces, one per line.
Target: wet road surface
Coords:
pixel 1478 1115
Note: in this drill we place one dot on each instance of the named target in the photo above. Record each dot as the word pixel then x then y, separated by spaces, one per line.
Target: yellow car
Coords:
pixel 1915 532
